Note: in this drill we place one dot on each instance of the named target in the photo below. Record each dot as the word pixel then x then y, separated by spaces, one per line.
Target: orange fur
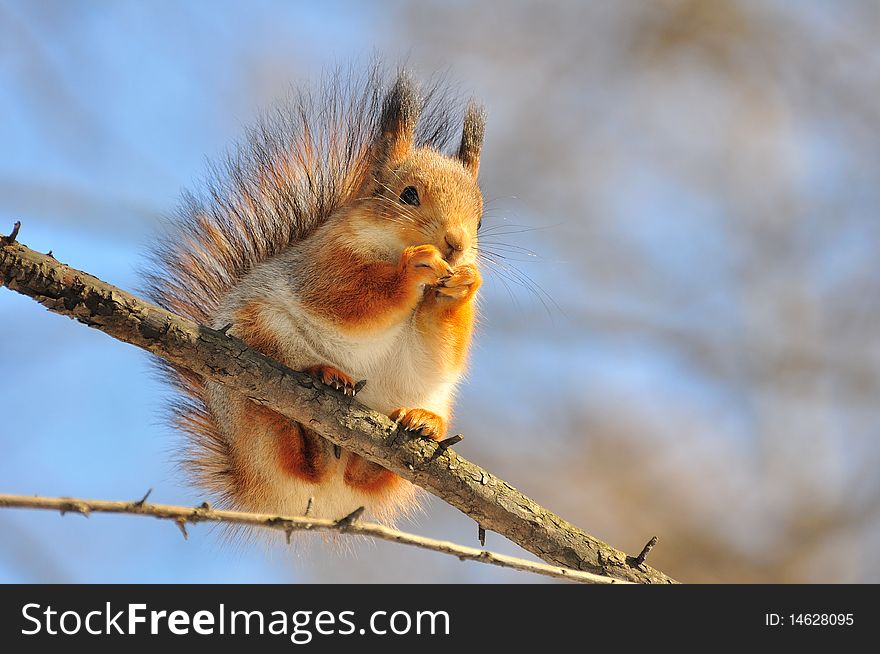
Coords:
pixel 300 451
pixel 424 422
pixel 365 295
pixel 369 477
pixel 446 317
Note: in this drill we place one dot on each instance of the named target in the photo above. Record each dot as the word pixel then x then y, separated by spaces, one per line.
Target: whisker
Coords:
pixel 502 278
pixel 518 277
pixel 494 230
pixel 498 248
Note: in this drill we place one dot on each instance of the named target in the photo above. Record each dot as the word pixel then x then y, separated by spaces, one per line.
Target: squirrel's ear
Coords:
pixel 472 137
pixel 400 113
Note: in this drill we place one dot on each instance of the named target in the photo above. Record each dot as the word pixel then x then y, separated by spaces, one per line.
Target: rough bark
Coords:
pixel 490 501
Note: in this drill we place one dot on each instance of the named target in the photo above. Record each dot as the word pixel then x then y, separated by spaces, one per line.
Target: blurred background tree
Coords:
pixel 680 334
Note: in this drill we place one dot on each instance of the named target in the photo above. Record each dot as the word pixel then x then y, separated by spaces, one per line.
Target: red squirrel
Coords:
pixel 340 240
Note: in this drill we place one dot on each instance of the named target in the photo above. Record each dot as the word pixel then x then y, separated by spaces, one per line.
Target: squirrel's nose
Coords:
pixel 455 245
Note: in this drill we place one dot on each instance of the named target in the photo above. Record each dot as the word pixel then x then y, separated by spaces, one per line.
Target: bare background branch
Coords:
pixel 183 516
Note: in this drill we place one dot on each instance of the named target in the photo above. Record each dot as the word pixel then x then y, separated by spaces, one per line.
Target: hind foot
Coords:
pixel 421 421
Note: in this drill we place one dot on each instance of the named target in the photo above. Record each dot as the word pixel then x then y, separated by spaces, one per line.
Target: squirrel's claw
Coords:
pixel 334 378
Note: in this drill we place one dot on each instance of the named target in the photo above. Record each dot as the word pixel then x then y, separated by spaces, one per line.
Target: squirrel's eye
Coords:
pixel 410 196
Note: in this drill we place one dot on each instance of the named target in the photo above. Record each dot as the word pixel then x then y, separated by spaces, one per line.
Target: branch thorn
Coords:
pixel 9 240
pixel 181 524
pixel 446 443
pixel 640 559
pixel 141 501
pixel 350 519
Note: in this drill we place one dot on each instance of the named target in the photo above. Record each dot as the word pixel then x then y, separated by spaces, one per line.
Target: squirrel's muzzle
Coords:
pixel 455 246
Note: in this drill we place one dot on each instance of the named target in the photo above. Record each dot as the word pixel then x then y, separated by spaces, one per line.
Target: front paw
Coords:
pixel 334 378
pixel 462 284
pixel 424 264
pixel 421 421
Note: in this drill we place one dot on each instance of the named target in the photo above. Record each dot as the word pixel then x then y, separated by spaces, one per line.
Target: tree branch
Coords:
pixel 491 502
pixel 182 516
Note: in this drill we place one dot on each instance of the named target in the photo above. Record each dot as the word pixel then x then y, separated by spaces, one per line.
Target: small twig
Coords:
pixel 349 524
pixel 309 507
pixel 640 559
pixel 9 240
pixel 344 523
pixel 446 443
pixel 225 328
pixel 141 501
pixel 481 534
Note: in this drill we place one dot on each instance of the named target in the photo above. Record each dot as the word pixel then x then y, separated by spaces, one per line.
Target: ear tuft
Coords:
pixel 400 113
pixel 472 135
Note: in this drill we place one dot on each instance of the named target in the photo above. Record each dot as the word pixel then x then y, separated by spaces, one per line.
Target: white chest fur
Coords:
pixel 394 362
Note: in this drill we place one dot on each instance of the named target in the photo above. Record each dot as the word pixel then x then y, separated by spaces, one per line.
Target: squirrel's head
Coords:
pixel 417 195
